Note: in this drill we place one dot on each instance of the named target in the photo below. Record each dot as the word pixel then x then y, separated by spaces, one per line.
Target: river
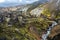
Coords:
pixel 45 35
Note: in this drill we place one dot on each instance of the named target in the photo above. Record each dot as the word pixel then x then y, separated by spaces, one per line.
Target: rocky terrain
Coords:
pixel 30 22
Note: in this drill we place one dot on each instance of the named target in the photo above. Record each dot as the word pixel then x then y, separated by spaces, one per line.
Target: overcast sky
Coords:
pixel 17 1
pixel 4 3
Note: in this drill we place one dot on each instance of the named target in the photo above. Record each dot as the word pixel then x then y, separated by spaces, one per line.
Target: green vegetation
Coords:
pixel 21 30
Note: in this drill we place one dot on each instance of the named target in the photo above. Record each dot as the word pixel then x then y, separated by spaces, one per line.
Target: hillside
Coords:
pixel 37 21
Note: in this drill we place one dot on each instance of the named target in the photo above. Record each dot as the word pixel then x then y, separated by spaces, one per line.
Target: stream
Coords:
pixel 45 35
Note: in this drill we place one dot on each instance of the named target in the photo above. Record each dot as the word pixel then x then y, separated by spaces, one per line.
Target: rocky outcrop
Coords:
pixel 36 12
pixel 15 8
pixel 55 31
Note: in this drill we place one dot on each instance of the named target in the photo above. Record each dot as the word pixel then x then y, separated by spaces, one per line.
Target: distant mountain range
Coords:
pixel 7 4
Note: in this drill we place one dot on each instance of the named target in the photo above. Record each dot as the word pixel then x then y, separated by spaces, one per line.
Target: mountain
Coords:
pixel 53 5
pixel 36 4
pixel 18 6
pixel 12 3
pixel 8 4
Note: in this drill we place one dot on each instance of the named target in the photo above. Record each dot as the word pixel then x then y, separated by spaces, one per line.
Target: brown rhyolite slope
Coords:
pixel 55 31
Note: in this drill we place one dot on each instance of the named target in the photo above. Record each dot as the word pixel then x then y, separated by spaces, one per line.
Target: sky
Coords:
pixel 17 1
pixel 4 3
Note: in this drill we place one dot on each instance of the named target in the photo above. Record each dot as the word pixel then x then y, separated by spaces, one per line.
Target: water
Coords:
pixel 45 35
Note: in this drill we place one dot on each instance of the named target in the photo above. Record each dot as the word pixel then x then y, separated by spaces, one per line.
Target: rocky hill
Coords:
pixel 30 22
pixel 14 8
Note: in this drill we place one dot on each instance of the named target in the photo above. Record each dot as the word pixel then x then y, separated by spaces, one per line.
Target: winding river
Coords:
pixel 45 35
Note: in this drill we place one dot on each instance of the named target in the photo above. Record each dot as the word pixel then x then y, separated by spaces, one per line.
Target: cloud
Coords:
pixel 18 1
pixel 1 1
pixel 30 1
pixel 12 1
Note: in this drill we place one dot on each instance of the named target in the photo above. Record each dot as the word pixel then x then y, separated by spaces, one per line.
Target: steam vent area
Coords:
pixel 30 20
